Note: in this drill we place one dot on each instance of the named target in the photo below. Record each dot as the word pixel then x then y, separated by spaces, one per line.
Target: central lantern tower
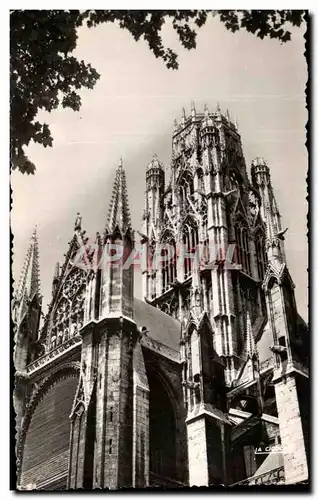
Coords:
pixel 212 217
pixel 220 227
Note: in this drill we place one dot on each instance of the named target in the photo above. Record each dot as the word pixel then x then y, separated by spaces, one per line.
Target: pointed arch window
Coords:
pixel 186 188
pixel 162 428
pixel 200 180
pixel 152 276
pixel 243 246
pixel 208 293
pixel 190 242
pixel 169 265
pixel 261 257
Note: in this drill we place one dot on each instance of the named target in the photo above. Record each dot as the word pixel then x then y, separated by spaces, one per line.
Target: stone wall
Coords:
pixel 290 425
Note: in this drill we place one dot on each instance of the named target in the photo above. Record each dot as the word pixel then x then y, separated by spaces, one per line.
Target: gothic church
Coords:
pixel 202 381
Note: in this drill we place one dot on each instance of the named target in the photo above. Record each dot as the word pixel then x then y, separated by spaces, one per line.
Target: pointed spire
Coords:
pixel 275 250
pixel 183 116
pixel 207 121
pixel 193 111
pixel 57 271
pixel 56 277
pixel 29 284
pixel 78 222
pixel 250 342
pixel 175 124
pixel 30 281
pixel 228 115
pixel 97 253
pixel 118 214
pixel 218 112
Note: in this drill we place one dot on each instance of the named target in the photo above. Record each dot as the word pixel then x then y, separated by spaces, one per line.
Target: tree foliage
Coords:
pixel 45 75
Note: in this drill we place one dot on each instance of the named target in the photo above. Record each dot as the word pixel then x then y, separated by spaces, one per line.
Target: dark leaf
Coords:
pixel 45 75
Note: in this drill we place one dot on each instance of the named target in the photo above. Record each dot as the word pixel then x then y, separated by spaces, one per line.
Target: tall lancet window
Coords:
pixel 200 180
pixel 169 263
pixel 242 245
pixel 190 244
pixel 152 276
pixel 186 188
pixel 261 257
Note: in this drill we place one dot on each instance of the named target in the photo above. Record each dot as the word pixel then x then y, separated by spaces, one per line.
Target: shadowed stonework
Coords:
pixel 205 381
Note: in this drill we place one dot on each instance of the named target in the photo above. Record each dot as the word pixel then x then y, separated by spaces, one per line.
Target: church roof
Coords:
pixel 263 346
pixel 160 326
pixel 271 462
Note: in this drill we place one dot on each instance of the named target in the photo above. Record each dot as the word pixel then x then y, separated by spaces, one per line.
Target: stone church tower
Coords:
pixel 195 384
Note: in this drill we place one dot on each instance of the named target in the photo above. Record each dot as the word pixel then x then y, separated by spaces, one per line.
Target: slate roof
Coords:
pixel 264 344
pixel 160 326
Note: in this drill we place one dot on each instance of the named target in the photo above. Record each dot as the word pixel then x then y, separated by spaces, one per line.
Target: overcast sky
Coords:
pixel 130 114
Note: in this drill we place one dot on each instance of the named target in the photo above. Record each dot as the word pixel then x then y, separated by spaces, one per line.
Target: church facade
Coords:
pixel 203 382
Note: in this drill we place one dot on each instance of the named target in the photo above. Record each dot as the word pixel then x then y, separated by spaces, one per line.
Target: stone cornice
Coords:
pixel 54 354
pixel 290 368
pixel 244 414
pixel 207 410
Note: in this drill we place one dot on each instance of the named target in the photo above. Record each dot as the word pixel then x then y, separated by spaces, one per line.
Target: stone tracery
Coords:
pixel 68 316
